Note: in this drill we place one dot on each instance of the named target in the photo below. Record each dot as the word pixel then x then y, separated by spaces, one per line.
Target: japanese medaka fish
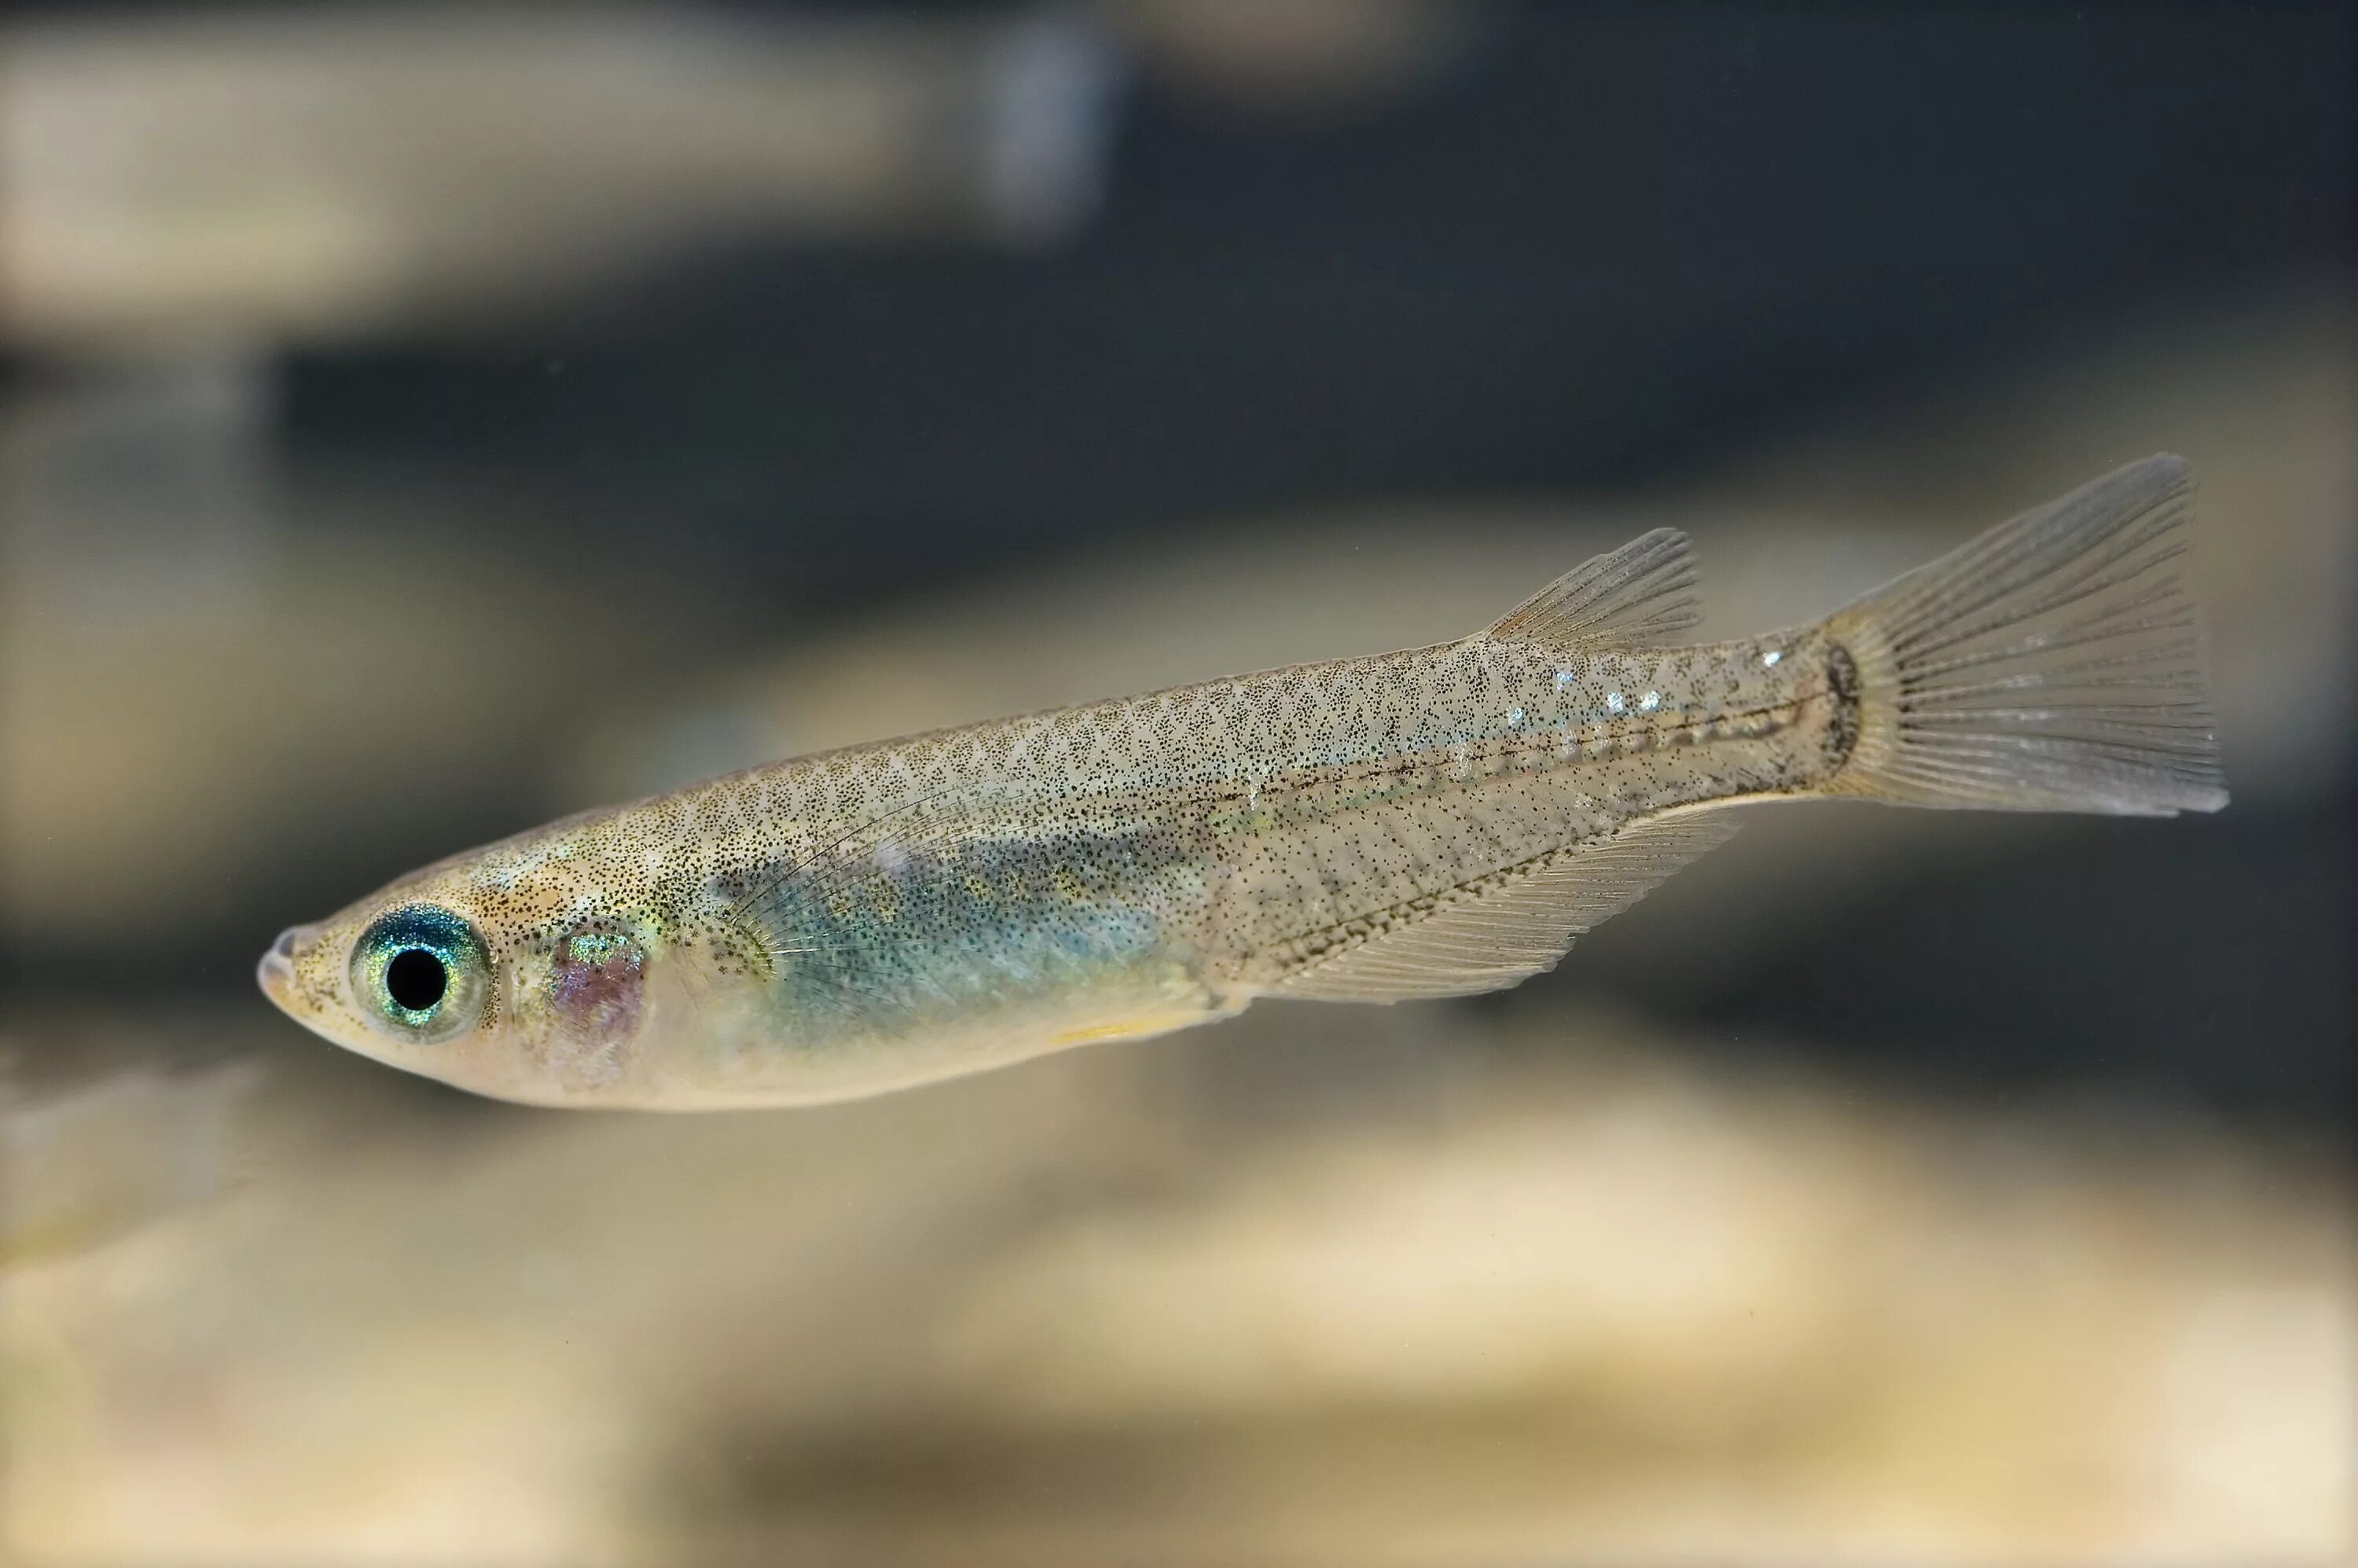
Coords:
pixel 1430 823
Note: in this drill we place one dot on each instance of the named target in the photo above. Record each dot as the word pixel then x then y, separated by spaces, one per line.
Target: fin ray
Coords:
pixel 1501 931
pixel 2054 663
pixel 1642 594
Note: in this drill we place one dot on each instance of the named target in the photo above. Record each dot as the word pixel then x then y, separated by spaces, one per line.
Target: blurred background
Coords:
pixel 420 420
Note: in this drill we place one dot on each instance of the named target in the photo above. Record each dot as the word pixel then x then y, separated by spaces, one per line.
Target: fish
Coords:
pixel 1435 822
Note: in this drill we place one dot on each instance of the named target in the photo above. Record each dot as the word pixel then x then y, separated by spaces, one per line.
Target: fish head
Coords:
pixel 522 971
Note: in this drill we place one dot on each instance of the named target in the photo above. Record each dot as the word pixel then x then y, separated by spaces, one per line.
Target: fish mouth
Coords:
pixel 275 973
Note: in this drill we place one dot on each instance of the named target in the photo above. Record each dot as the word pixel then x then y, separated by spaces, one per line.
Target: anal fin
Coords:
pixel 1500 931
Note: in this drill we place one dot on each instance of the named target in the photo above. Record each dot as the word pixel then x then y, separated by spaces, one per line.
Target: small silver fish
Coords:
pixel 1430 823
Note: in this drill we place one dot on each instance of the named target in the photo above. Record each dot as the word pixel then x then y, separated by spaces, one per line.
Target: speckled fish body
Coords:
pixel 1432 822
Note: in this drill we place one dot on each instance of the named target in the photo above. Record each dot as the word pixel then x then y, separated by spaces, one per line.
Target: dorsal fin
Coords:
pixel 1642 594
pixel 1500 931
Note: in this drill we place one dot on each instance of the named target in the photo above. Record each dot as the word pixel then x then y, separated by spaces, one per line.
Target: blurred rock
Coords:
pixel 329 174
pixel 1535 1282
pixel 98 1161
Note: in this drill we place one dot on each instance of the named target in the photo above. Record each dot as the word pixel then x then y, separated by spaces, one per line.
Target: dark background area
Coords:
pixel 1620 241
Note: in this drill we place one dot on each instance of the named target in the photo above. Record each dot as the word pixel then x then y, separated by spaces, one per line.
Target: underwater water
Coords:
pixel 416 425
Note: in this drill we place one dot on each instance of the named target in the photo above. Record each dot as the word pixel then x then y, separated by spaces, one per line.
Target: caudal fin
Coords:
pixel 2051 664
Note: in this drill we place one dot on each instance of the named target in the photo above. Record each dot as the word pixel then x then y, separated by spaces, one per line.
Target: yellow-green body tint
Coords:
pixel 858 921
pixel 1426 822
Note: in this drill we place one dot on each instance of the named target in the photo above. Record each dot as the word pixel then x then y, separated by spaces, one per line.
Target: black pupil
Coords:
pixel 416 978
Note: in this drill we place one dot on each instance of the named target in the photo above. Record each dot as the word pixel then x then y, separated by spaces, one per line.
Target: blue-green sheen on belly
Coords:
pixel 879 938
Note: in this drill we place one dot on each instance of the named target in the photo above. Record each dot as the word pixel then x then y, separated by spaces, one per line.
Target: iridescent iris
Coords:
pixel 422 972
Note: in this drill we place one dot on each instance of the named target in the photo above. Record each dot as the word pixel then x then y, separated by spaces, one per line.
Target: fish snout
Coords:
pixel 275 973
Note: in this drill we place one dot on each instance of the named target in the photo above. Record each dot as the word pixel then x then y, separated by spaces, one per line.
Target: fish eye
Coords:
pixel 423 972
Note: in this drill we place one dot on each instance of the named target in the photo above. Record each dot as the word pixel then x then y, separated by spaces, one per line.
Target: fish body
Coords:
pixel 1432 822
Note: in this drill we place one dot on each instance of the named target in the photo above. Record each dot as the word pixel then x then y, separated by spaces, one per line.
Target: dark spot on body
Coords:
pixel 1842 683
